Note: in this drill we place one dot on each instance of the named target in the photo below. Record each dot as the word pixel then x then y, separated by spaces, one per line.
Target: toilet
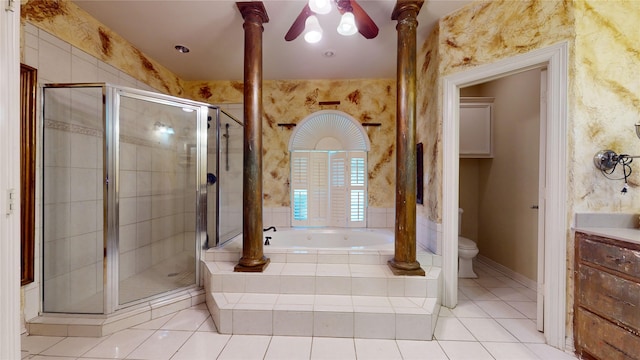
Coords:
pixel 467 250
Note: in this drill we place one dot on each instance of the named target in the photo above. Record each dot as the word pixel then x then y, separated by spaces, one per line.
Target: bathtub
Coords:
pixel 330 238
pixel 321 245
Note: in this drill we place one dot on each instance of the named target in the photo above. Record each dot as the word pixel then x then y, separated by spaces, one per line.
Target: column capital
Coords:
pixel 256 8
pixel 404 6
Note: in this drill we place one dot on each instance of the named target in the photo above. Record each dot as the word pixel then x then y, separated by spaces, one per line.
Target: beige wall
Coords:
pixel 505 187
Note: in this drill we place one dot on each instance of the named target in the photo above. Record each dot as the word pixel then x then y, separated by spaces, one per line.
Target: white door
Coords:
pixel 542 188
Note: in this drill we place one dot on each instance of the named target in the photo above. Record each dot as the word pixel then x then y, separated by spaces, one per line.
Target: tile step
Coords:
pixel 322 279
pixel 372 317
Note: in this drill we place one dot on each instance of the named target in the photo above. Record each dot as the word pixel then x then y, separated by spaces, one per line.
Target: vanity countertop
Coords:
pixel 623 226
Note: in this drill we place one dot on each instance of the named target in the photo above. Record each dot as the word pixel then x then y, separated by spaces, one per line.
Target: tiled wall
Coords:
pixel 376 217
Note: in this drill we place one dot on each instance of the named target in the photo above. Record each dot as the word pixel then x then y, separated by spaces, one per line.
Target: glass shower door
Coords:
pixel 157 171
pixel 73 238
pixel 230 172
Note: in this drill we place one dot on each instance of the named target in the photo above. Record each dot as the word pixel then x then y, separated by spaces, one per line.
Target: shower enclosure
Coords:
pixel 225 158
pixel 125 194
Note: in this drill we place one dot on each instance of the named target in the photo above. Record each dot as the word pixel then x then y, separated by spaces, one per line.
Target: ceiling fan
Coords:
pixel 354 19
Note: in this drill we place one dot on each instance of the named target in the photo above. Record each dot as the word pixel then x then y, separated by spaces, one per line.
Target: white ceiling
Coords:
pixel 212 29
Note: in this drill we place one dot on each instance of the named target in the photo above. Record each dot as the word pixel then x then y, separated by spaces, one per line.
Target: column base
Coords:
pixel 405 268
pixel 255 266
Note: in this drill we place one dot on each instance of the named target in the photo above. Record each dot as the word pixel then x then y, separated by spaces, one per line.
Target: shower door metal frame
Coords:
pixel 114 168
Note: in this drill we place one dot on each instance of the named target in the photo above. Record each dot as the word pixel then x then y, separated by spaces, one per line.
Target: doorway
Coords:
pixel 555 58
pixel 499 188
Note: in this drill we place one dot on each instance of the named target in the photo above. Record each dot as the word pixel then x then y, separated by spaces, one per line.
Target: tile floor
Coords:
pixel 493 320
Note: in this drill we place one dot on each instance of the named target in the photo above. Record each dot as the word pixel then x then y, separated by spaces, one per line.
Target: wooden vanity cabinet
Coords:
pixel 607 298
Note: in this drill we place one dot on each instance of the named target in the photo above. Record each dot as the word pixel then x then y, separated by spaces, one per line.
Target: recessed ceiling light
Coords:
pixel 329 53
pixel 182 49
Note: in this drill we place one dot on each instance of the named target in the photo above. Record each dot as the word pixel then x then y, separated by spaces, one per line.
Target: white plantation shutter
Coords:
pixel 338 171
pixel 318 206
pixel 299 187
pixel 329 188
pixel 357 189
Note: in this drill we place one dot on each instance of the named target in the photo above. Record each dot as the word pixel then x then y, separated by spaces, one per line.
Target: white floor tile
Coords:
pixel 155 324
pixel 463 350
pixel 208 325
pixel 377 349
pixel 161 345
pixel 530 294
pixel 512 283
pixel 420 350
pixel 547 352
pixel 202 345
pixel 38 344
pixel 40 357
pixel 468 309
pixel 452 329
pixel 289 348
pixel 478 293
pixel 523 329
pixel 245 347
pixel 120 344
pixel 509 351
pixel 509 294
pixel 487 330
pixel 187 320
pixel 498 309
pixel 72 346
pixel 332 348
pixel 528 308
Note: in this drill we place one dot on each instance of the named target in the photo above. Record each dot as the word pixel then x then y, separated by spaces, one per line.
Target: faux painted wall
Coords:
pixel 603 89
pixel 290 101
pixel 479 33
pixel 73 25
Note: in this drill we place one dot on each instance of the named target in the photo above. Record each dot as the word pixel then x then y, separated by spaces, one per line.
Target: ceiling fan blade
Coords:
pixel 298 25
pixel 365 24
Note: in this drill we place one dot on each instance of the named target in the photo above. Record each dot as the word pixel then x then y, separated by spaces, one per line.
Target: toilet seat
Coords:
pixel 466 244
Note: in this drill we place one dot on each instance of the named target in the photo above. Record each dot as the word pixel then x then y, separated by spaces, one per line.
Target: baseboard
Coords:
pixel 507 272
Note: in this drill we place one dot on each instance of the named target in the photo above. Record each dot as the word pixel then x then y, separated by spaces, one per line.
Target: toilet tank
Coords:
pixel 460 212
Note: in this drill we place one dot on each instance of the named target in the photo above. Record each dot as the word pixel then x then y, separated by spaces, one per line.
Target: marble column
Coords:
pixel 253 259
pixel 404 260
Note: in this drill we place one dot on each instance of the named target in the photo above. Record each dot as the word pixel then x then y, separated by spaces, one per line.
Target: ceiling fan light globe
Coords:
pixel 312 37
pixel 320 7
pixel 347 26
pixel 313 31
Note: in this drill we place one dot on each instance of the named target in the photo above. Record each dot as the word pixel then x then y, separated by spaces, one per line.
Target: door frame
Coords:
pixel 555 58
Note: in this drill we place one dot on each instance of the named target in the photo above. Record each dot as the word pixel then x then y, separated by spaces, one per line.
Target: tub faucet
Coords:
pixel 270 228
pixel 266 241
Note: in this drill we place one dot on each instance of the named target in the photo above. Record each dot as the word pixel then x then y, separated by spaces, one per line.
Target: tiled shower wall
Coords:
pixel 59 62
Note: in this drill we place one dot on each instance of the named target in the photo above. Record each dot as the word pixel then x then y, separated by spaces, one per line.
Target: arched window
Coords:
pixel 329 171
